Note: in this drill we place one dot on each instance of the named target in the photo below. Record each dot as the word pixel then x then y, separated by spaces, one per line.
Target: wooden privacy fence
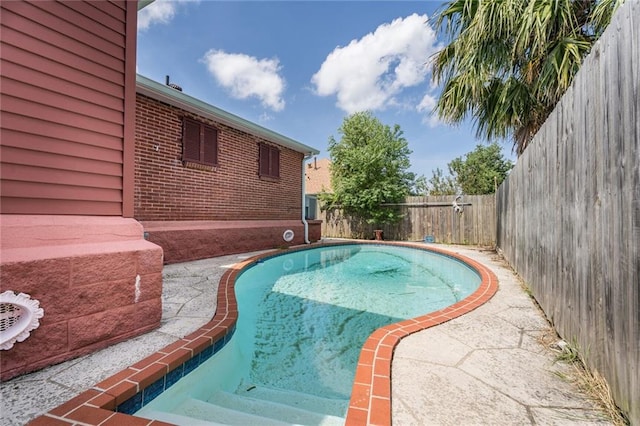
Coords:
pixel 569 212
pixel 431 216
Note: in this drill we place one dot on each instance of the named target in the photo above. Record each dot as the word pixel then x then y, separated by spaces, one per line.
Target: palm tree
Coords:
pixel 508 62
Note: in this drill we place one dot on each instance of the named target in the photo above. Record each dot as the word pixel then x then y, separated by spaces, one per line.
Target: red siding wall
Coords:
pixel 167 190
pixel 63 84
pixel 67 150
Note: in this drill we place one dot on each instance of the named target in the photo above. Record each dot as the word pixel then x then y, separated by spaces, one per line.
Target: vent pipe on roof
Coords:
pixel 172 85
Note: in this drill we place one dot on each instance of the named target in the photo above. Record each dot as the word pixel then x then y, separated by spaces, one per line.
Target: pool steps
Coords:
pixel 197 409
pixel 287 410
pixel 177 419
pixel 326 406
pixel 264 406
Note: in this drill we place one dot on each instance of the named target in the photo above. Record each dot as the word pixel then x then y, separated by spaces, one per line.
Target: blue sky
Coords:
pixel 300 67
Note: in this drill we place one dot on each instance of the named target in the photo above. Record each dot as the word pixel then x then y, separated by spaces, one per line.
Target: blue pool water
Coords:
pixel 304 317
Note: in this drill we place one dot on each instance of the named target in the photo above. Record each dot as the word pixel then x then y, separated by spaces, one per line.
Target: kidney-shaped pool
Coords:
pixel 303 318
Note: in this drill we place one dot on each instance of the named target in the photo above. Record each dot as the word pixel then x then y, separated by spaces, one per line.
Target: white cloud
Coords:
pixel 426 106
pixel 247 76
pixel 158 12
pixel 369 73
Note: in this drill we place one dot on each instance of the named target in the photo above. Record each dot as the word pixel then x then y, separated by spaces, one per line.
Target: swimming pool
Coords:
pixel 329 300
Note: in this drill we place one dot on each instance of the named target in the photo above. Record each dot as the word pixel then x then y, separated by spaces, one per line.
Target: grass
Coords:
pixel 589 381
pixel 527 290
pixel 569 353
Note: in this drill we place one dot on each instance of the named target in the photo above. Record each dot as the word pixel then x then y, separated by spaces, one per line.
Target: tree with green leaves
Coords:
pixel 420 186
pixel 481 170
pixel 369 168
pixel 442 185
pixel 508 62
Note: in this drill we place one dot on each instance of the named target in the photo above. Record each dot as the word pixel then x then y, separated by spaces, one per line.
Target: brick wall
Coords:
pixel 167 190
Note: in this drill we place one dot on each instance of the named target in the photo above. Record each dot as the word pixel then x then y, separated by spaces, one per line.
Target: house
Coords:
pixel 318 180
pixel 69 239
pixel 81 186
pixel 209 183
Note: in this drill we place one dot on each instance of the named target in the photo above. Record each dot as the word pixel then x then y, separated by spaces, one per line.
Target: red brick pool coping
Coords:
pixel 371 392
pixel 370 402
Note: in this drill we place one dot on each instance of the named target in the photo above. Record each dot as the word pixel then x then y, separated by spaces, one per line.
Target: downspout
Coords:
pixel 304 219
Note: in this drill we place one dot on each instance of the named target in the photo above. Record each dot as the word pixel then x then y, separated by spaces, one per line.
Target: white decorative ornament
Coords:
pixel 457 207
pixel 19 315
pixel 288 235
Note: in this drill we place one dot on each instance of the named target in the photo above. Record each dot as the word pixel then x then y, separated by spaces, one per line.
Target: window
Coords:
pixel 199 143
pixel 269 161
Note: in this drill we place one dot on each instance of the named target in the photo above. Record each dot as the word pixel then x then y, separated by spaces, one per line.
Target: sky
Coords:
pixel 300 68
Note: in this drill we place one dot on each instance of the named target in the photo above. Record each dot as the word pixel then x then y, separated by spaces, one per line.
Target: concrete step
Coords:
pixel 200 413
pixel 176 419
pixel 267 409
pixel 288 407
pixel 256 406
pixel 304 401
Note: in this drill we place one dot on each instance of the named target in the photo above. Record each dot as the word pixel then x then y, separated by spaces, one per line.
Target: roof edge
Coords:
pixel 164 93
pixel 144 3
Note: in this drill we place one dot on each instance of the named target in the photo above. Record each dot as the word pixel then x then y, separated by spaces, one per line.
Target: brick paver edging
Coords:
pixel 370 402
pixel 112 401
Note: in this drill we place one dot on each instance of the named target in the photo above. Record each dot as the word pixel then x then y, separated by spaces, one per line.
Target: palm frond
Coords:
pixel 509 61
